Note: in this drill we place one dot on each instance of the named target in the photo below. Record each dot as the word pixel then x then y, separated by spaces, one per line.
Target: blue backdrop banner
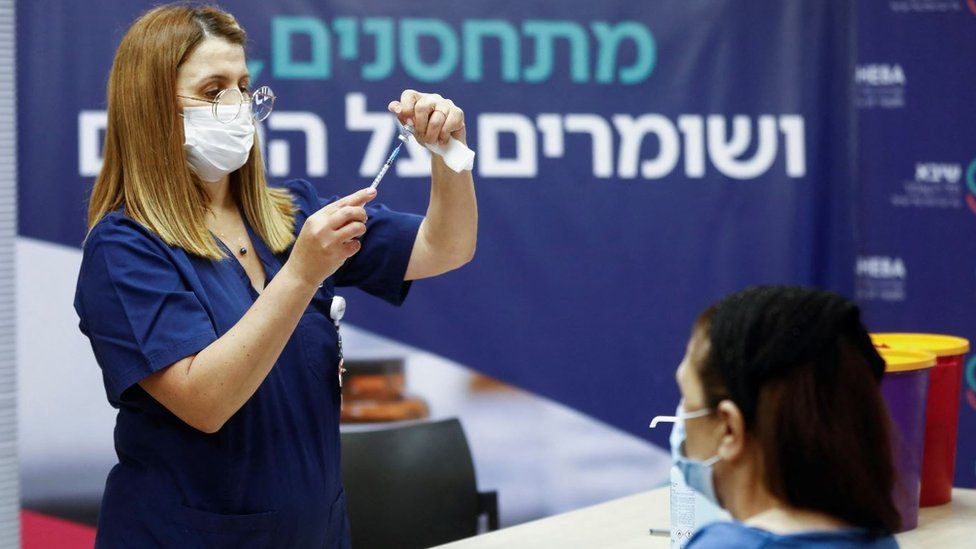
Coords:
pixel 916 269
pixel 636 161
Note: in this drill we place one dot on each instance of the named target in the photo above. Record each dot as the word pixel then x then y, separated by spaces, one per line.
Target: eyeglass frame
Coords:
pixel 246 97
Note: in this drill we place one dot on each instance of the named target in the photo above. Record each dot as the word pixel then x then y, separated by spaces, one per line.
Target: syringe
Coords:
pixel 389 162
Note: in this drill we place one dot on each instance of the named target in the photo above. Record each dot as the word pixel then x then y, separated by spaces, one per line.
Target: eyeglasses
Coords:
pixel 227 103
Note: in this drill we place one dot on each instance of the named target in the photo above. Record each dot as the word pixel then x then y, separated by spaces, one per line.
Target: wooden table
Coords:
pixel 624 523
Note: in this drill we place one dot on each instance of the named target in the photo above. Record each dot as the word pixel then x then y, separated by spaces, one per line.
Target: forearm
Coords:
pixel 206 389
pixel 449 233
pixel 224 375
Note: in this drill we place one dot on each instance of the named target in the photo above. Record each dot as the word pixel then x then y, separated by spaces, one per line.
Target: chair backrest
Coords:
pixel 410 486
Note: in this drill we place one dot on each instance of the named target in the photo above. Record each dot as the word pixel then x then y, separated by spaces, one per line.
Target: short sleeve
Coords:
pixel 380 265
pixel 135 307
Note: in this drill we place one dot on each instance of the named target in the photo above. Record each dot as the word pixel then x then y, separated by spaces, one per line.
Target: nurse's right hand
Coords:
pixel 328 238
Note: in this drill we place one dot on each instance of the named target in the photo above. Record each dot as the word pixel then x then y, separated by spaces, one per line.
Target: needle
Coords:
pixel 389 162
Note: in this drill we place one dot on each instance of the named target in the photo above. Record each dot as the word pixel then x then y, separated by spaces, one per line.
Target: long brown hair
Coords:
pixel 145 166
pixel 800 366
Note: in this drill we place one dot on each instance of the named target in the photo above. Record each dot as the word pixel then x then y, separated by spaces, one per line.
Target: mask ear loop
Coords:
pixel 712 460
pixel 684 415
pixel 697 413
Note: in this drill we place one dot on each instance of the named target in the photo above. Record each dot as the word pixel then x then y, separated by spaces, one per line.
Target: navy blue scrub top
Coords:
pixel 720 535
pixel 271 476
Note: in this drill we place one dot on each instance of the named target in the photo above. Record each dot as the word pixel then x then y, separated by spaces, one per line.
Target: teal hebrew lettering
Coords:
pixel 411 30
pixel 610 37
pixel 545 33
pixel 284 65
pixel 345 27
pixel 474 32
pixel 382 66
pixel 254 68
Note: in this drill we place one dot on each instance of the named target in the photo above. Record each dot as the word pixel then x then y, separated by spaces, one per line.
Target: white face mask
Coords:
pixel 214 149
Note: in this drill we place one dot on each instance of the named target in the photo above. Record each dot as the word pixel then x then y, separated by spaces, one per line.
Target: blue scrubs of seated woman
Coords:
pixel 206 295
pixel 784 422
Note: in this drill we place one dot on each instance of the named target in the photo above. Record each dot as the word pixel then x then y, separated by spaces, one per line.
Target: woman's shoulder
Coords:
pixel 117 230
pixel 301 190
pixel 297 185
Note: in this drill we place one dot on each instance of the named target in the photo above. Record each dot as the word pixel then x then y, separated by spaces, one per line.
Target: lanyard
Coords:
pixel 336 312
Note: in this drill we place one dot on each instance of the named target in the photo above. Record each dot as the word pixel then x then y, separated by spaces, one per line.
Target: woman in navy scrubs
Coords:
pixel 206 295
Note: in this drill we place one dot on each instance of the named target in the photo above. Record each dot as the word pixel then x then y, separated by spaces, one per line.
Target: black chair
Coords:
pixel 412 486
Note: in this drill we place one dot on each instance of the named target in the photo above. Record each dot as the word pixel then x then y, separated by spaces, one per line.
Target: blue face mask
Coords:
pixel 697 474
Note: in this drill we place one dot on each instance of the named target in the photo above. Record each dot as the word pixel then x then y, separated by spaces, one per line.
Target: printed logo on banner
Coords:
pixel 933 185
pixel 881 278
pixel 971 382
pixel 971 185
pixel 931 6
pixel 880 86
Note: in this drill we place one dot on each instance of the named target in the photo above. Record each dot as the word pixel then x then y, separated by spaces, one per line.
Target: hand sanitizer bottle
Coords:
pixel 689 510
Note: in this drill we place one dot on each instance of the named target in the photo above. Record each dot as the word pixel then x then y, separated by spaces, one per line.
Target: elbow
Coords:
pixel 207 419
pixel 207 411
pixel 451 259
pixel 468 254
pixel 468 257
pixel 206 414
pixel 198 404
pixel 461 258
pixel 208 425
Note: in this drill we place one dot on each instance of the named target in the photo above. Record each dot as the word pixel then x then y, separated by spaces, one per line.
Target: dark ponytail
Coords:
pixel 800 366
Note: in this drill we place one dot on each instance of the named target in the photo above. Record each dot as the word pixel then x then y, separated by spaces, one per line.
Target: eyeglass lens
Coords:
pixel 229 102
pixel 227 105
pixel 262 102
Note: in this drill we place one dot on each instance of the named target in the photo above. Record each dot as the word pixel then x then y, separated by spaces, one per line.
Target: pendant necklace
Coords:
pixel 242 250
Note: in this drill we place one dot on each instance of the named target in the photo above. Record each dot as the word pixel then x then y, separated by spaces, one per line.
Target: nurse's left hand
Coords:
pixel 435 118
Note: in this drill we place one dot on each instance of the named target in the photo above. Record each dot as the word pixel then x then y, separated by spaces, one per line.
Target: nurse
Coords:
pixel 206 294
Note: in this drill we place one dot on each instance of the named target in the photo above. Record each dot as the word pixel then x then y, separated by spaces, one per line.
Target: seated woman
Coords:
pixel 783 423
